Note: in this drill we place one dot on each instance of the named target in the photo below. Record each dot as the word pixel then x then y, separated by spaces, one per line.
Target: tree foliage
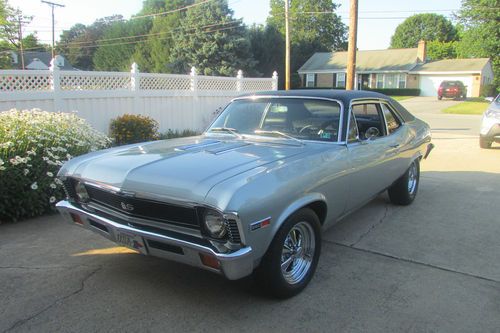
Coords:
pixel 429 27
pixel 437 50
pixel 268 47
pixel 480 22
pixel 309 33
pixel 210 39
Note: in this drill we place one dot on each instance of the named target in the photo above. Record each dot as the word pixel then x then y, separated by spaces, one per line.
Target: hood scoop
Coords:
pixel 226 148
pixel 196 146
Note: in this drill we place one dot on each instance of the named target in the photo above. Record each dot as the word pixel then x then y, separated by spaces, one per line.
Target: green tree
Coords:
pixel 154 54
pixel 429 27
pixel 115 52
pixel 214 42
pixel 310 32
pixel 437 50
pixel 480 22
pixel 32 43
pixel 267 46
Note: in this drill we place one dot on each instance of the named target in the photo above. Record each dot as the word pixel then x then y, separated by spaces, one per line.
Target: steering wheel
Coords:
pixel 305 127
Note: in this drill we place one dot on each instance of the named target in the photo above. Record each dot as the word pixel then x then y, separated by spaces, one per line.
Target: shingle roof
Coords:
pixel 453 65
pixel 369 61
pixel 44 57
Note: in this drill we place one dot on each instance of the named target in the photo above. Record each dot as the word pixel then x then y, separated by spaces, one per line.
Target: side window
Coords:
pixel 369 119
pixel 392 121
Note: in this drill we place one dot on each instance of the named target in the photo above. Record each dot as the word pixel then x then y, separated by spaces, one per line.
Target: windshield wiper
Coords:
pixel 279 133
pixel 227 130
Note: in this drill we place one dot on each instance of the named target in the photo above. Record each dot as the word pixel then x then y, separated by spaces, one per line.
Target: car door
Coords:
pixel 367 157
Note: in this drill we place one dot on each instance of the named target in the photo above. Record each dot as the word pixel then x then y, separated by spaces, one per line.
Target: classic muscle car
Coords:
pixel 254 191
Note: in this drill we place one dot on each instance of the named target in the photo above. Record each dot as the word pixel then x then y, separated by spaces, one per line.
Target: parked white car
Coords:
pixel 490 126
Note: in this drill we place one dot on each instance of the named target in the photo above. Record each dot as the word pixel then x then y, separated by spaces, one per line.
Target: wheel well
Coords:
pixel 319 207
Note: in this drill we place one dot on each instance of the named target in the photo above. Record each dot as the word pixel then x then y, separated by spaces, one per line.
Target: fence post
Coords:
pixel 135 86
pixel 55 84
pixel 194 79
pixel 275 81
pixel 239 81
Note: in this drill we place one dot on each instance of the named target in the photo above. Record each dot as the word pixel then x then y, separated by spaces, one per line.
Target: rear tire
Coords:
pixel 484 143
pixel 291 260
pixel 404 190
pixel 440 97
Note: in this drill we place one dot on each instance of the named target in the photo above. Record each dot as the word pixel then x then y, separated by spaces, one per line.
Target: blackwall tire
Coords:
pixel 405 189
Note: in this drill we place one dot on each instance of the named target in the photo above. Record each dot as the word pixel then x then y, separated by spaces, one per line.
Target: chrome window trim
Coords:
pixel 358 101
pixel 341 119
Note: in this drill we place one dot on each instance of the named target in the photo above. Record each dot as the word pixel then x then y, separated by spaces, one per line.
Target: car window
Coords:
pixel 352 134
pixel 299 118
pixel 391 120
pixel 368 116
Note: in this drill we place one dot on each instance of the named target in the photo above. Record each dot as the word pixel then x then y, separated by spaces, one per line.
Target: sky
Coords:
pixel 377 18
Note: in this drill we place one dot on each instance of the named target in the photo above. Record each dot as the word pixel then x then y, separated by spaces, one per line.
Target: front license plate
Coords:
pixel 131 241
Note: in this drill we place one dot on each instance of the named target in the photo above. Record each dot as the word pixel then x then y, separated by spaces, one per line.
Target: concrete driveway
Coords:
pixel 429 267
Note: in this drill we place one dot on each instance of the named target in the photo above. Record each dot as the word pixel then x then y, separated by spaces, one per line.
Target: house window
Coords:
pixel 390 80
pixel 380 81
pixel 340 80
pixel 402 81
pixel 310 78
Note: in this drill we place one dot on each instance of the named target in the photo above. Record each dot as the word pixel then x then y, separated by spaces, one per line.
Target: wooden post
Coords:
pixel 287 47
pixel 351 50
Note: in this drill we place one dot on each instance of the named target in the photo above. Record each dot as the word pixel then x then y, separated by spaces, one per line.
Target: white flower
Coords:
pixel 58 181
pixel 52 199
pixel 50 174
pixel 34 186
pixel 52 185
pixel 26 171
pixel 2 168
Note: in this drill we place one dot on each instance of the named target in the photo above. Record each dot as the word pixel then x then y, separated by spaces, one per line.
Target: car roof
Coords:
pixel 345 96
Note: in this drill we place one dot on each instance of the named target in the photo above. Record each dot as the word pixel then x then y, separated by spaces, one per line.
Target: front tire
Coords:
pixel 484 143
pixel 404 190
pixel 291 260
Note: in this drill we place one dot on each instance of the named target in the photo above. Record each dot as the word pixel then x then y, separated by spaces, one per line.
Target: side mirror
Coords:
pixel 372 133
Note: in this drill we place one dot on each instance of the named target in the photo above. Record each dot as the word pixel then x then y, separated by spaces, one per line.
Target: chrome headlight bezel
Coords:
pixel 81 193
pixel 214 224
pixel 490 113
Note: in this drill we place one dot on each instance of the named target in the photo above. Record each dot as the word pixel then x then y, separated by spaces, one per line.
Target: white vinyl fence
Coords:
pixel 176 101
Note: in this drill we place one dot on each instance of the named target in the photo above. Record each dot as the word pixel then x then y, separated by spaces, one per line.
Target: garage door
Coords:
pixel 429 84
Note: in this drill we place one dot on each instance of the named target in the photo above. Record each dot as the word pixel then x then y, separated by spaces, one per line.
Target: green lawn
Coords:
pixel 401 98
pixel 467 108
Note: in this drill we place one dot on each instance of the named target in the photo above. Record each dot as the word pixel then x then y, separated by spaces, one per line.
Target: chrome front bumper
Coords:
pixel 233 265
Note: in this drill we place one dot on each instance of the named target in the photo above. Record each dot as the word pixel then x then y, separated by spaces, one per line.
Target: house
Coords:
pixel 39 60
pixel 396 69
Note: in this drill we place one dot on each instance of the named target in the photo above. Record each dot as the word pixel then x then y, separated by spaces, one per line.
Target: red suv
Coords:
pixel 452 89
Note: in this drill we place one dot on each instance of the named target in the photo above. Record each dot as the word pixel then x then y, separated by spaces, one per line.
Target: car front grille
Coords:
pixel 233 231
pixel 145 209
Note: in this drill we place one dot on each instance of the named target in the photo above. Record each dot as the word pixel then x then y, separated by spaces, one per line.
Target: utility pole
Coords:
pixel 351 49
pixel 287 47
pixel 20 33
pixel 53 5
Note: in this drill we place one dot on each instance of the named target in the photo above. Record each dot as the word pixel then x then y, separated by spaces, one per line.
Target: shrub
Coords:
pixel 171 134
pixel 33 146
pixel 131 128
pixel 398 92
pixel 488 90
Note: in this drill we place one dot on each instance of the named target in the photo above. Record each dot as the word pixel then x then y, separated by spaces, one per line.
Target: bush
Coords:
pixel 398 92
pixel 131 128
pixel 171 134
pixel 33 146
pixel 488 90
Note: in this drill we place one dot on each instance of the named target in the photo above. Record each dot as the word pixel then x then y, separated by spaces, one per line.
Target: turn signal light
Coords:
pixel 209 261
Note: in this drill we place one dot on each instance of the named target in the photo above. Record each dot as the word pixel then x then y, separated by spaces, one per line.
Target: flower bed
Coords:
pixel 33 146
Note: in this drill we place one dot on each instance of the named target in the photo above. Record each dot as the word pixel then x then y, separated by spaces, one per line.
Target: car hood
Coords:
pixel 182 169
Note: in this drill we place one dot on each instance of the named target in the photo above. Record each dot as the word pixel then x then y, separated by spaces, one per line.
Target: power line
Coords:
pixel 52 6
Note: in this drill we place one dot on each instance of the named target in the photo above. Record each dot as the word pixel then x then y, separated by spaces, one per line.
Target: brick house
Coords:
pixel 396 69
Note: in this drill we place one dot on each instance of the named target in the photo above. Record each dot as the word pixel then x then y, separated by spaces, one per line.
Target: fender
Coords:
pixel 296 205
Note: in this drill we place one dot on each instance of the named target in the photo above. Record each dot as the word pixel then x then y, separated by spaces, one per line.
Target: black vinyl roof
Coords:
pixel 345 96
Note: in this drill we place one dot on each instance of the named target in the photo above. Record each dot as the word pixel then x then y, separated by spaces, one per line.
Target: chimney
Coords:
pixel 422 51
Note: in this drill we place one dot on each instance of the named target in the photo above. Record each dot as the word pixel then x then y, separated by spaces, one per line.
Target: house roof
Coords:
pixel 453 65
pixel 366 61
pixel 45 57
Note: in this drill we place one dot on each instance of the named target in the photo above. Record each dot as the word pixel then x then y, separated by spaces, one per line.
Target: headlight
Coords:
pixel 81 192
pixel 215 223
pixel 490 113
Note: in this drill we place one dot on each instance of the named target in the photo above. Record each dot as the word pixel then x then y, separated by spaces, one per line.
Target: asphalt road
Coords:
pixel 430 267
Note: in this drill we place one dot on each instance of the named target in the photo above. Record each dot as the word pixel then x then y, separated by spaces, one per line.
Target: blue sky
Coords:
pixel 378 18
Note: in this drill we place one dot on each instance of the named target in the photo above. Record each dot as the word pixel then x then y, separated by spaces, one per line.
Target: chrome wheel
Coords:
pixel 412 178
pixel 297 253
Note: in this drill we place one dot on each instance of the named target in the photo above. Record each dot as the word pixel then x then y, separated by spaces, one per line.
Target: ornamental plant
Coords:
pixel 33 146
pixel 131 128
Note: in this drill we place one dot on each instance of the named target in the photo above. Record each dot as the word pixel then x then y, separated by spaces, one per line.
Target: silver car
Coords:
pixel 253 193
pixel 490 125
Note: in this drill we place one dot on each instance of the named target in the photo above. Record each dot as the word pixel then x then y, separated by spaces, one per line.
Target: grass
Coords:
pixel 467 107
pixel 401 98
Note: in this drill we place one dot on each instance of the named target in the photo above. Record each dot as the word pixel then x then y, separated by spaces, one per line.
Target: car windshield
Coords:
pixel 288 118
